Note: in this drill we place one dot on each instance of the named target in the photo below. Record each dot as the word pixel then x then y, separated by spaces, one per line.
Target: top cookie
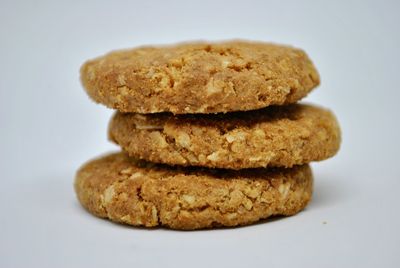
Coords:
pixel 200 77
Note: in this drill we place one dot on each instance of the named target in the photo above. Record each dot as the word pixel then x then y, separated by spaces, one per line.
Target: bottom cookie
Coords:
pixel 139 193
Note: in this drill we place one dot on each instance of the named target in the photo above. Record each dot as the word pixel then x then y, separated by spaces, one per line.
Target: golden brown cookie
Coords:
pixel 200 77
pixel 275 136
pixel 129 191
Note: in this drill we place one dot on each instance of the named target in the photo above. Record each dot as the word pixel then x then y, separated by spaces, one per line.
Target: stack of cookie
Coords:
pixel 211 134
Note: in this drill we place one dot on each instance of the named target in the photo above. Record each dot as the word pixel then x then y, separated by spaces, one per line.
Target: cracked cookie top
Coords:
pixel 200 77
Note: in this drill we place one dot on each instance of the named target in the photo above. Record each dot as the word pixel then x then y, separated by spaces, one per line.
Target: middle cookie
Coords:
pixel 279 136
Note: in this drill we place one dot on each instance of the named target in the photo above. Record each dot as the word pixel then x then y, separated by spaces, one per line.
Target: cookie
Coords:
pixel 200 77
pixel 139 193
pixel 275 136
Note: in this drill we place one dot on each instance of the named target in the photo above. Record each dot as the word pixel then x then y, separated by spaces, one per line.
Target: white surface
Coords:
pixel 49 127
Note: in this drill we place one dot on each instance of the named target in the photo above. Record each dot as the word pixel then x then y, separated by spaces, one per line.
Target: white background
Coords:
pixel 49 127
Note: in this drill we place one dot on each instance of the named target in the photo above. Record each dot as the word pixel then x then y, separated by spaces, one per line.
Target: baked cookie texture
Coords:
pixel 200 77
pixel 278 136
pixel 139 193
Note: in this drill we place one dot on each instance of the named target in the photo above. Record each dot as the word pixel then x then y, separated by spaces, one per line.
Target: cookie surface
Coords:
pixel 275 136
pixel 200 77
pixel 129 191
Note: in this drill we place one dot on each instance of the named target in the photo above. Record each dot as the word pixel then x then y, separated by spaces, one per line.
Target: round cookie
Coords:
pixel 130 191
pixel 278 136
pixel 200 77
